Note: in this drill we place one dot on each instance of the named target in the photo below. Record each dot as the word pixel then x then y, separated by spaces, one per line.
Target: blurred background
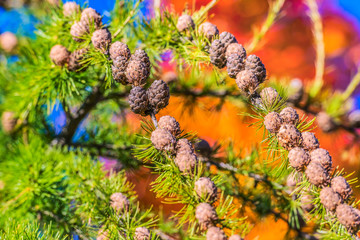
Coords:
pixel 287 52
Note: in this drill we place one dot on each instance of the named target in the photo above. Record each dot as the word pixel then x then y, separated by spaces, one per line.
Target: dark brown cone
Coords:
pixel 234 64
pixel 253 63
pixel 75 60
pixel 236 48
pixel 118 70
pixel 141 55
pixel 203 148
pixel 137 73
pixel 217 53
pixel 227 38
pixel 159 95
pixel 138 101
pixel 289 136
pixel 101 39
pixel 247 82
pixel 119 49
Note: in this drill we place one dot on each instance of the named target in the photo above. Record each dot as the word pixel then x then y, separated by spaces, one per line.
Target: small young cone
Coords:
pixel 254 64
pixel 349 217
pixel 101 39
pixel 91 16
pixel 217 53
pixel 215 233
pixel 290 116
pixel 273 122
pixel 78 30
pixel 8 41
pixel 169 123
pixel 330 199
pixel 8 121
pixel 325 122
pixel 163 140
pixel 186 161
pixel 317 175
pixel 289 136
pixel 206 189
pixel 159 95
pixel 70 9
pixel 310 142
pixel 184 23
pixel 322 157
pixel 235 237
pixel 142 233
pixel 75 60
pixel 206 215
pixel 247 82
pixel 119 202
pixel 183 145
pixel 270 96
pixel 227 38
pixel 209 30
pixel 306 201
pixel 342 187
pixel 236 48
pixel 298 158
pixel 59 55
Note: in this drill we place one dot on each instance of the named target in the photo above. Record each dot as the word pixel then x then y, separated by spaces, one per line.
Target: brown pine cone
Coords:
pixel 270 96
pixel 75 60
pixel 186 161
pixel 141 55
pixel 317 175
pixel 183 145
pixel 185 22
pixel 70 8
pixel 247 82
pixel 298 158
pixel 163 140
pixel 138 101
pixel 215 233
pixel 206 215
pixel 101 39
pixel 137 73
pixel 209 30
pixel 349 217
pixel 227 38
pixel 206 189
pixel 159 95
pixel 342 187
pixel 8 41
pixel 59 55
pixel 310 142
pixel 119 49
pixel 322 157
pixel 142 233
pixel 234 65
pixel 290 116
pixel 217 54
pixel 273 122
pixel 202 147
pixel 325 122
pixel 8 121
pixel 306 201
pixel 253 63
pixel 235 237
pixel 354 119
pixel 91 17
pixel 169 123
pixel 119 70
pixel 78 30
pixel 119 202
pixel 330 199
pixel 236 48
pixel 296 91
pixel 289 136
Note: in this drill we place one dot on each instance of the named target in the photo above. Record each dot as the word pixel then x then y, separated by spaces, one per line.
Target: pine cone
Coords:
pixel 186 161
pixel 159 95
pixel 59 55
pixel 290 115
pixel 75 60
pixel 70 8
pixel 273 122
pixel 227 38
pixel 206 215
pixel 138 101
pixel 183 145
pixel 141 55
pixel 329 199
pixel 163 140
pixel 119 49
pixel 8 121
pixel 349 217
pixel 215 233
pixel 236 48
pixel 296 91
pixel 119 70
pixel 90 16
pixel 292 180
pixel 317 175
pixel 101 39
pixel 234 64
pixel 78 30
pixel 354 119
pixel 169 123
pixel 310 142
pixel 235 237
pixel 322 157
pixel 209 30
pixel 298 158
pixel 306 201
pixel 137 73
pixel 270 96
pixel 119 202
pixel 325 122
pixel 289 136
pixel 247 82
pixel 217 54
pixel 342 187
pixel 8 41
pixel 142 233
pixel 203 148
pixel 206 189
pixel 185 22
pixel 253 63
